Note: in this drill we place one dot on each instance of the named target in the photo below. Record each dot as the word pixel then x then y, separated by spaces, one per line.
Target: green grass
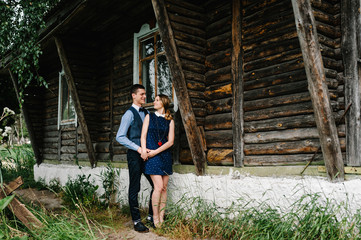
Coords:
pixel 309 218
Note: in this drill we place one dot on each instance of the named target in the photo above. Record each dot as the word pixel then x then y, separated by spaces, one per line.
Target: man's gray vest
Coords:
pixel 135 129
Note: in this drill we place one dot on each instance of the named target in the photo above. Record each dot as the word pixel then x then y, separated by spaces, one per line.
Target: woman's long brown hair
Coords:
pixel 166 102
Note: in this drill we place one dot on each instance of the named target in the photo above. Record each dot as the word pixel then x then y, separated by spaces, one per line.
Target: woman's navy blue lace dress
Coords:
pixel 158 129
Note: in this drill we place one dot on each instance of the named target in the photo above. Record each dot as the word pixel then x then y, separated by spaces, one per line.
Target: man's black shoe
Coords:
pixel 139 227
pixel 149 222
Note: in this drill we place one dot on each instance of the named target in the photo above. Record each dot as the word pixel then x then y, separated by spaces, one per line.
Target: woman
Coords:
pixel 156 139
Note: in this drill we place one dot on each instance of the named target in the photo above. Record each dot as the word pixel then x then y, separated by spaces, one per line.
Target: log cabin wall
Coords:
pixel 279 122
pixel 104 138
pixel 328 21
pixel 188 24
pixel 122 81
pixel 50 68
pixel 82 55
pixel 218 94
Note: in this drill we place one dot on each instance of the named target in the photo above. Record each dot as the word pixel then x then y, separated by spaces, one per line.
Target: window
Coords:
pixel 150 64
pixel 66 110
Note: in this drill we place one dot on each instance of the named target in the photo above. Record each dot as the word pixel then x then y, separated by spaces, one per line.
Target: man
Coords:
pixel 129 136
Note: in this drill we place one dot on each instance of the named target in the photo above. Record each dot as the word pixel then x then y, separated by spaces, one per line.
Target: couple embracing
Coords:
pixel 148 137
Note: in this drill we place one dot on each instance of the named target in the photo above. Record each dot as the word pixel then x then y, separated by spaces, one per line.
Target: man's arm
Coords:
pixel 121 137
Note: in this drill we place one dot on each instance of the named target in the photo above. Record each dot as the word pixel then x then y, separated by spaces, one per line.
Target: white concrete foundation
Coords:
pixel 278 192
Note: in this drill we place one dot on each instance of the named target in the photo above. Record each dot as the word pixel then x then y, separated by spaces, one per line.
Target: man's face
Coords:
pixel 139 97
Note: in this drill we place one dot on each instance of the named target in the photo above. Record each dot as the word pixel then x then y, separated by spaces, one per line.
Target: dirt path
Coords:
pixel 50 201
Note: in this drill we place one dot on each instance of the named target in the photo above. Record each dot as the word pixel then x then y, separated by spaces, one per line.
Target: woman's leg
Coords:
pixel 163 198
pixel 158 186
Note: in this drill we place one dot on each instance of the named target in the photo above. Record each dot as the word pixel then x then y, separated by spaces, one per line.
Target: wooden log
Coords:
pixel 282 78
pixel 219 91
pixel 77 104
pixel 218 76
pixel 193 66
pixel 351 51
pixel 276 112
pixel 306 29
pixel 19 209
pixel 277 101
pixel 194 31
pixel 284 135
pixel 220 157
pixel 273 160
pixel 330 42
pixel 219 42
pixel 191 76
pixel 188 21
pixel 219 138
pixel 271 49
pixel 183 11
pixel 282 36
pixel 219 27
pixel 185 156
pixel 191 55
pixel 8 188
pixel 298 121
pixel 218 121
pixel 27 118
pixel 218 60
pixel 217 10
pixel 328 31
pixel 219 106
pixel 190 39
pixel 273 59
pixel 188 45
pixel 274 91
pixel 274 69
pixel 294 147
pixel 237 85
pixel 188 117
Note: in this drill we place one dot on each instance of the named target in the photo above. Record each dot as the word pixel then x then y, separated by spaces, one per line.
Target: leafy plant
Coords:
pixel 81 191
pixel 108 178
pixel 19 35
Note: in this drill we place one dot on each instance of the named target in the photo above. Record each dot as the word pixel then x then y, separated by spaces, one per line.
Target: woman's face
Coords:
pixel 157 103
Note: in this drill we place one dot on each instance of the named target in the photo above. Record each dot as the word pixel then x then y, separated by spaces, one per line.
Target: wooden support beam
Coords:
pixel 237 85
pixel 307 35
pixel 180 86
pixel 19 209
pixel 29 126
pixel 350 20
pixel 77 105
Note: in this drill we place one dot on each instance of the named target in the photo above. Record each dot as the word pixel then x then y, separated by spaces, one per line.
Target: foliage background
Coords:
pixel 20 22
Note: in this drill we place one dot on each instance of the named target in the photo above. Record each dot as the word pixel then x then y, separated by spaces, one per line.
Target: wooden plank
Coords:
pixel 77 104
pixel 29 125
pixel 11 186
pixel 307 34
pixel 24 215
pixel 180 87
pixel 237 85
pixel 351 52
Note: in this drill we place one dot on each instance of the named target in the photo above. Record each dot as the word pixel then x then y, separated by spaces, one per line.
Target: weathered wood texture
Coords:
pixel 237 85
pixel 188 25
pixel 176 65
pixel 326 126
pixel 351 52
pixel 82 102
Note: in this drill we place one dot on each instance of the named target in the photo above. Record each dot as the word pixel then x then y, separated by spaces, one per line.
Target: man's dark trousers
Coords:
pixel 136 168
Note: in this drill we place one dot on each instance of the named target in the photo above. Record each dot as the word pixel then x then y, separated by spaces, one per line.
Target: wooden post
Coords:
pixel 237 85
pixel 19 209
pixel 180 87
pixel 77 105
pixel 307 35
pixel 350 21
pixel 29 126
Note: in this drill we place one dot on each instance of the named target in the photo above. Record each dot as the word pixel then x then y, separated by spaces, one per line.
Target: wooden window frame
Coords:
pixel 146 33
pixel 60 106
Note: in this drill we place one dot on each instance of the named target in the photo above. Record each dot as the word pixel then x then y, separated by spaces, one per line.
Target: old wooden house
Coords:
pixel 253 83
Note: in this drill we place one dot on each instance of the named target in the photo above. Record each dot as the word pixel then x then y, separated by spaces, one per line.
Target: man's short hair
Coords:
pixel 135 88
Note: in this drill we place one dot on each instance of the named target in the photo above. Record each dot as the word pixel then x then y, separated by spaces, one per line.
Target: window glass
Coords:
pixel 154 71
pixel 67 109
